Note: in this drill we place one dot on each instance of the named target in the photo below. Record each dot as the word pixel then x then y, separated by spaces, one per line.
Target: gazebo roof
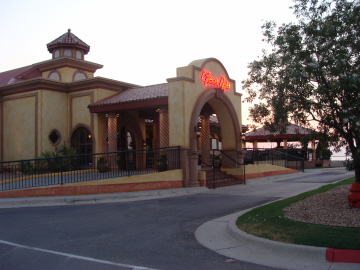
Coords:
pixel 292 131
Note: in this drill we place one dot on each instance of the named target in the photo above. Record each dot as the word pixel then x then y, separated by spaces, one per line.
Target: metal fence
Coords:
pixel 78 168
pixel 288 158
pixel 216 158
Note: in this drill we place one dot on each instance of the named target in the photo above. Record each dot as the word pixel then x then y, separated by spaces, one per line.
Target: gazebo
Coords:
pixel 293 133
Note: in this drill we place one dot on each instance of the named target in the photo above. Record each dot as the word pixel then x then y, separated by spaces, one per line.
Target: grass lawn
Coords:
pixel 268 221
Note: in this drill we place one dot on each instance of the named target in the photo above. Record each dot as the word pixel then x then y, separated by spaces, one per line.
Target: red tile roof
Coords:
pixel 18 75
pixel 68 39
pixel 135 94
pixel 292 129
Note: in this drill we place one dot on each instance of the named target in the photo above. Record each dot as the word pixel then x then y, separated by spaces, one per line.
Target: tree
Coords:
pixel 311 76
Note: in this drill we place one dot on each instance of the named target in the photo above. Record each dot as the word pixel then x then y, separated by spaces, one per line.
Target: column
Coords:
pixel 164 127
pixel 243 143
pixel 285 143
pixel 112 131
pixel 156 137
pixel 193 169
pixel 205 139
pixel 313 146
pixel 255 144
pixel 240 154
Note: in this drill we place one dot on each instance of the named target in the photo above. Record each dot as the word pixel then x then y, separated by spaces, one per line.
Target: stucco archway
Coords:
pixel 230 129
pixel 226 114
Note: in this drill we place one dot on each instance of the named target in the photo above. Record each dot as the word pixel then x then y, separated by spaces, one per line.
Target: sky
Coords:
pixel 142 42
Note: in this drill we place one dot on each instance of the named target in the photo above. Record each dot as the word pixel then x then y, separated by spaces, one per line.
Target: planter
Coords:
pixel 102 165
pixel 102 168
pixel 161 166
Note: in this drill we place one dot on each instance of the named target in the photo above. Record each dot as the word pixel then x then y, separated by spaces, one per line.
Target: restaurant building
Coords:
pixel 60 100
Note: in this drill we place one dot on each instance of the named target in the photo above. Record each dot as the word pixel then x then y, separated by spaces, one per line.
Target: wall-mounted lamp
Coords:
pixel 197 131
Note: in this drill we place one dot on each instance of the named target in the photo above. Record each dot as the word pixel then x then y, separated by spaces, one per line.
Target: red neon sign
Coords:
pixel 207 78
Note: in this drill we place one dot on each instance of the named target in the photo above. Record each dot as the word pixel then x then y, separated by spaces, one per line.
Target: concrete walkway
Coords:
pixel 224 237
pixel 221 235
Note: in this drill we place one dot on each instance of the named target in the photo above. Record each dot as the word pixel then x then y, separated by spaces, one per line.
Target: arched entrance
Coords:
pixel 82 142
pixel 214 101
pixel 223 108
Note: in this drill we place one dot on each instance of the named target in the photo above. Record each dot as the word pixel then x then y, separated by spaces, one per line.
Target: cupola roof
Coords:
pixel 68 40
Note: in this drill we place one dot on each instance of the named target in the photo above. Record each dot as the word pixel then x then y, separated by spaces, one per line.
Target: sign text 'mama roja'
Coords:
pixel 207 78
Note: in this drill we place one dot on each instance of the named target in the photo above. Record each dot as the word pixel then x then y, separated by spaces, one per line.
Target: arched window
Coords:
pixel 56 53
pixel 81 141
pixel 78 54
pixel 79 75
pixel 67 52
pixel 54 75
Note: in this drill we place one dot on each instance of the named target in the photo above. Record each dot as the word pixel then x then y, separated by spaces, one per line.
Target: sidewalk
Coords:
pixel 224 237
pixel 221 235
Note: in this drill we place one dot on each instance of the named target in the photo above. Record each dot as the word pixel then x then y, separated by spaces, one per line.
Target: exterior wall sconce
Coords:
pixel 197 131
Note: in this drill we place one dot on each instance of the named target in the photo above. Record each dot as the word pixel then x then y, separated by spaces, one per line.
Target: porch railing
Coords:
pixel 216 155
pixel 31 173
pixel 288 158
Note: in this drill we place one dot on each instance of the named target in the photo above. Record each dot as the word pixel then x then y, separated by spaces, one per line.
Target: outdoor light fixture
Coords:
pixel 197 131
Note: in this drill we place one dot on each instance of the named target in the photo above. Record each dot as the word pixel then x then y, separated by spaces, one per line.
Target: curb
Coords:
pixel 96 198
pixel 342 255
pixel 311 253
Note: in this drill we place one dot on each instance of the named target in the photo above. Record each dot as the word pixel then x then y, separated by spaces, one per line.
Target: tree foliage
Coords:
pixel 311 76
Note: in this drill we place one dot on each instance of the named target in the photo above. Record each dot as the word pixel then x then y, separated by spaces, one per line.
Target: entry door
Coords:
pixel 126 142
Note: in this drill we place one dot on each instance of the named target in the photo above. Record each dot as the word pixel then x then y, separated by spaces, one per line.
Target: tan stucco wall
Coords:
pixel 250 169
pixel 67 73
pixel 80 113
pixel 183 95
pixel 46 110
pixel 100 93
pixel 20 121
pixel 53 113
pixel 174 175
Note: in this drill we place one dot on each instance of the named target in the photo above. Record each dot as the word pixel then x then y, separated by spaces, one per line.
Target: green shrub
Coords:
pixel 55 160
pixel 26 167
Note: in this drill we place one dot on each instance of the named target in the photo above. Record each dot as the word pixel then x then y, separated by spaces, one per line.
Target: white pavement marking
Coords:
pixel 133 267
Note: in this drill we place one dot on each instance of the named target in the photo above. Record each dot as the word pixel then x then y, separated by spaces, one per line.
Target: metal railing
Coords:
pixel 216 159
pixel 61 170
pixel 288 158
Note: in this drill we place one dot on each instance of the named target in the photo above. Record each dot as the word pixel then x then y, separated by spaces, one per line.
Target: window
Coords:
pixel 81 141
pixel 56 53
pixel 78 54
pixel 79 75
pixel 55 137
pixel 67 52
pixel 54 75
